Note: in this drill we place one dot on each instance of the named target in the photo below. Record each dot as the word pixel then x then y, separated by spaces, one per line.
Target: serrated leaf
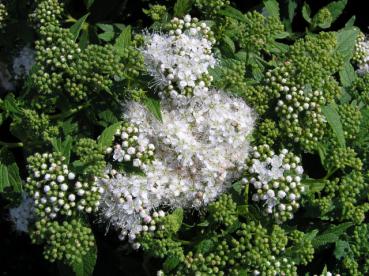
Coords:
pixel 322 240
pixel 331 235
pixel 306 12
pixel 341 249
pixel 107 36
pixel 232 13
pixel 10 105
pixel 154 107
pixel 123 40
pixel 181 7
pixel 9 177
pixel 346 40
pixel 311 235
pixel 105 27
pixel 336 8
pixel 87 266
pixel 228 45
pixel 107 118
pixel 272 7
pixel 171 263
pixel 107 136
pixel 347 74
pixel 76 28
pixel 334 120
pixel 14 177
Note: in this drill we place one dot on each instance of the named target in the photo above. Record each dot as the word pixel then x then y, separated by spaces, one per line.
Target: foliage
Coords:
pixel 66 84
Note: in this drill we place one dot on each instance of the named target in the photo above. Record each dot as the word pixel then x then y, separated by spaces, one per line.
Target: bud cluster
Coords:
pixel 56 189
pixel 276 180
pixel 132 146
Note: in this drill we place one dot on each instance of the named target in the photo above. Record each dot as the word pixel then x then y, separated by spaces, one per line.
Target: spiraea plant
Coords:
pixel 201 139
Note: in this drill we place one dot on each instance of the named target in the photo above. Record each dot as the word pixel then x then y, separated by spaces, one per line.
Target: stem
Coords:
pixel 11 145
pixel 330 173
pixel 68 113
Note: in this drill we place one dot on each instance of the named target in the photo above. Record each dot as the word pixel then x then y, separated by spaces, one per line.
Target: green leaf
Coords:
pixel 176 218
pixel 306 12
pixel 14 177
pixel 64 147
pixel 331 235
pixel 272 7
pixel 204 246
pixel 314 185
pixel 107 36
pixel 171 263
pixel 107 118
pixel 232 13
pixel 105 27
pixel 311 235
pixel 10 105
pixel 76 28
pixel 350 22
pixel 333 118
pixel 9 177
pixel 322 151
pixel 228 46
pixel 347 74
pixel 238 187
pixel 181 7
pixel 292 5
pixel 84 40
pixel 346 40
pixel 336 8
pixel 86 267
pixel 154 107
pixel 341 249
pixel 107 136
pixel 123 40
pixel 88 3
pixel 4 177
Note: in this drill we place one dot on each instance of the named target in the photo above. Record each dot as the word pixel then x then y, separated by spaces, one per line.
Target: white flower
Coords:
pixel 199 148
pixel 23 63
pixel 23 214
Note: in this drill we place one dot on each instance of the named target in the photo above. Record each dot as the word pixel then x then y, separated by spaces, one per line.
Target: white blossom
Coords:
pixel 23 214
pixel 23 63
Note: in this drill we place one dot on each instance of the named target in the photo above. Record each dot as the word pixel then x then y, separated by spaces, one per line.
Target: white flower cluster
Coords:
pixel 56 190
pixel 277 181
pixel 23 214
pixel 361 55
pixel 179 62
pixel 200 148
pixel 23 63
pixel 131 146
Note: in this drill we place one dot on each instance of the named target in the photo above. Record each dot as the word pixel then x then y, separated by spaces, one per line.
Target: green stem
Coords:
pixel 68 113
pixel 330 173
pixel 11 145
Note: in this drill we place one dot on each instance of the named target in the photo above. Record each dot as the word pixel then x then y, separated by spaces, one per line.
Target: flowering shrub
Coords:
pixel 226 143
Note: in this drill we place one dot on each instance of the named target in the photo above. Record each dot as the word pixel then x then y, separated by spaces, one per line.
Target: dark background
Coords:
pixel 19 257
